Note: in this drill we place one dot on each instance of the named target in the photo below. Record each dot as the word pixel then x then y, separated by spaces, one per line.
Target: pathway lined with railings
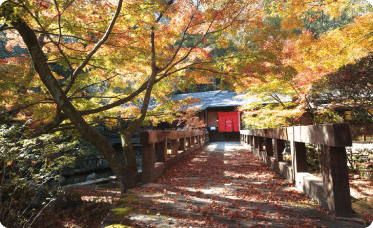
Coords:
pixel 221 185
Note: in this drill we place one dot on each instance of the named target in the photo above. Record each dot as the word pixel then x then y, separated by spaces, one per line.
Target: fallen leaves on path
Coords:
pixel 229 189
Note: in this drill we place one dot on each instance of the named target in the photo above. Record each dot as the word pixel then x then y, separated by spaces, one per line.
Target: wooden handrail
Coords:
pixel 151 139
pixel 335 135
pixel 332 138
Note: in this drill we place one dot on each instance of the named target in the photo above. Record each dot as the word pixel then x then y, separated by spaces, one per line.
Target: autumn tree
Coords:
pixel 116 56
pixel 302 42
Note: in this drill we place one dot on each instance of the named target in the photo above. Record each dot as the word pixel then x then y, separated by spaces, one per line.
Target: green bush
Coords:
pixel 313 158
pixel 30 172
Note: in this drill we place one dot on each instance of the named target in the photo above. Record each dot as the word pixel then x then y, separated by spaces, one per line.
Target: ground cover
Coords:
pixel 96 202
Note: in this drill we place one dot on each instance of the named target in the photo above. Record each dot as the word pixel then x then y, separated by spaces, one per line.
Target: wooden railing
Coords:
pixel 181 143
pixel 333 191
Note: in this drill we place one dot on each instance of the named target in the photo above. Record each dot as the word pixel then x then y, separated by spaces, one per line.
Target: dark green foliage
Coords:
pixel 30 172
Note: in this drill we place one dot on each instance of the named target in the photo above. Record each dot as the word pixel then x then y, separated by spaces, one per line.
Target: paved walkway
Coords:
pixel 222 185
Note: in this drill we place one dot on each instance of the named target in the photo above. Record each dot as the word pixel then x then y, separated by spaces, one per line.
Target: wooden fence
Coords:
pixel 181 143
pixel 333 191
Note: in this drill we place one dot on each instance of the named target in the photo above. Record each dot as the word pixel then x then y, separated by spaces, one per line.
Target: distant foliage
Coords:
pixel 327 116
pixel 189 120
pixel 349 87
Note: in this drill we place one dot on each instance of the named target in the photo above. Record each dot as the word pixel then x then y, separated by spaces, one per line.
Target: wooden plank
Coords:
pixel 162 151
pixel 279 148
pixel 269 147
pixel 148 137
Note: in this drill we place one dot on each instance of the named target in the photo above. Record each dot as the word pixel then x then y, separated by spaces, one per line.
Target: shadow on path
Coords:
pixel 222 185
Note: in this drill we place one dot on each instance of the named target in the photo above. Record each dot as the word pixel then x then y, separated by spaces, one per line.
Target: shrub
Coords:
pixel 30 172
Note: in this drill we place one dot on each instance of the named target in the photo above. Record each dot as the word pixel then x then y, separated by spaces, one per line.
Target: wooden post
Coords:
pixel 174 147
pixel 279 148
pixel 335 180
pixel 253 139
pixel 256 144
pixel 182 144
pixel 162 151
pixel 268 145
pixel 300 159
pixel 260 143
pixel 148 156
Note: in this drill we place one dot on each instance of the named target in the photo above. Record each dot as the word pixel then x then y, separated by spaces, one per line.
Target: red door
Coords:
pixel 229 124
pixel 229 121
pixel 221 119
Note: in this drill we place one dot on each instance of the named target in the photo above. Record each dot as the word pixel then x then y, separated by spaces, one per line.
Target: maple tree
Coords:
pixel 115 55
pixel 303 41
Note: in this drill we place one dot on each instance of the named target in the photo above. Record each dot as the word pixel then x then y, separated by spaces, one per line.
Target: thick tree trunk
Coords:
pixel 130 157
pixel 62 101
pixel 128 151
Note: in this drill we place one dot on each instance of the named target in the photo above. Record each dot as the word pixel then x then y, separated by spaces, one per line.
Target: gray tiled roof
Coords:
pixel 217 98
pixel 220 98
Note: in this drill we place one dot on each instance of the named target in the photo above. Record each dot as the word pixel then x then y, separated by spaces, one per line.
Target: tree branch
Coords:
pixel 59 23
pixel 5 27
pixel 80 89
pixel 95 49
pixel 17 109
pixel 181 42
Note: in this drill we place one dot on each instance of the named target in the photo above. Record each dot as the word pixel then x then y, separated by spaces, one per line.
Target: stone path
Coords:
pixel 222 185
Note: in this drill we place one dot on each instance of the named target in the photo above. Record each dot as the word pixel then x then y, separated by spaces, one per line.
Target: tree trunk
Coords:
pixel 130 157
pixel 62 101
pixel 128 151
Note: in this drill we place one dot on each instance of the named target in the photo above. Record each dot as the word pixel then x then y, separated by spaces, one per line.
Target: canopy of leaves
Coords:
pixel 70 32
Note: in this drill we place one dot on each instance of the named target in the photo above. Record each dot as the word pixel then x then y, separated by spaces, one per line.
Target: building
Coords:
pixel 218 110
